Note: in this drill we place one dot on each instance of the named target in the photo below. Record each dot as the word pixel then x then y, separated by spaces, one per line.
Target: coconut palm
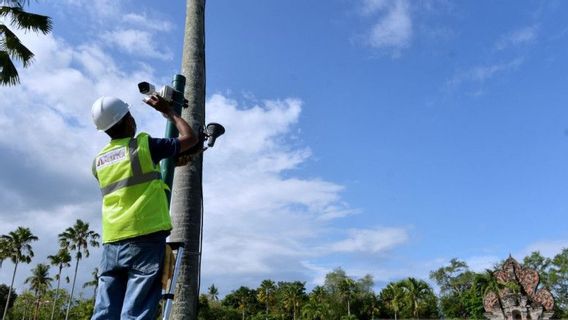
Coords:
pixel 78 238
pixel 10 46
pixel 39 283
pixel 213 293
pixel 19 250
pixel 347 289
pixel 415 291
pixel 266 294
pixel 393 296
pixel 60 260
pixel 94 282
pixel 4 250
pixel 292 295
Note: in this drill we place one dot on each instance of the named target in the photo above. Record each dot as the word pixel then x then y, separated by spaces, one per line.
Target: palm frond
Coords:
pixel 11 44
pixel 26 20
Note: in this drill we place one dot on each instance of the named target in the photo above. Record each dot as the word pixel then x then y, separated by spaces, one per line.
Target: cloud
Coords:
pixel 519 37
pixel 393 31
pixel 264 215
pixel 371 240
pixel 135 42
pixel 481 74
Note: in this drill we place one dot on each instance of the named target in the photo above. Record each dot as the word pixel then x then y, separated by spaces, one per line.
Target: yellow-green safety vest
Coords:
pixel 134 199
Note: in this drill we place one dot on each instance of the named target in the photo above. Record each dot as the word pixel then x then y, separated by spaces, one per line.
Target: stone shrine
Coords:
pixel 518 299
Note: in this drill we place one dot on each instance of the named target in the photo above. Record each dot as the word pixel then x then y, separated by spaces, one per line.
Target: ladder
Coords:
pixel 172 262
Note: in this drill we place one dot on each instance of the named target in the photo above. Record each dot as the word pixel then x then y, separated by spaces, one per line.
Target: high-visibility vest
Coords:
pixel 134 199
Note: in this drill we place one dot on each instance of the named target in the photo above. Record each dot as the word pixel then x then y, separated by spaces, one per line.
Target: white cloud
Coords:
pixel 394 30
pixel 371 240
pixel 519 37
pixel 143 20
pixel 372 6
pixel 481 74
pixel 136 42
pixel 263 217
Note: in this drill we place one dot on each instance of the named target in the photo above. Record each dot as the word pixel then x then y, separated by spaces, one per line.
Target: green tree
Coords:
pixel 292 294
pixel 4 250
pixel 78 238
pixel 213 293
pixel 265 294
pixel 40 282
pixel 11 48
pixel 418 293
pixel 94 282
pixel 459 298
pixel 242 299
pixel 60 260
pixel 20 251
pixel 4 289
pixel 316 308
pixel 541 265
pixel 347 291
pixel 392 297
pixel 559 280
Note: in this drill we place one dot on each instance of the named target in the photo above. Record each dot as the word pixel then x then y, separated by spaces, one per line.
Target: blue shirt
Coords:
pixel 163 148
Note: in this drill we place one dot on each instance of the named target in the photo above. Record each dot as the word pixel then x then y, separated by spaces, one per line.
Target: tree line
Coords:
pixel 341 297
pixel 459 293
pixel 39 301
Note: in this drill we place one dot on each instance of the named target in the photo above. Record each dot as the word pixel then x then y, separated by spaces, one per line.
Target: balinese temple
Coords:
pixel 520 298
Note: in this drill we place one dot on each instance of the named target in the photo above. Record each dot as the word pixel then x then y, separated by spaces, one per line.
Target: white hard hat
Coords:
pixel 107 111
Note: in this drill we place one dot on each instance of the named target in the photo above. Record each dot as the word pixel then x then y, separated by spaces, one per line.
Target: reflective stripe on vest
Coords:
pixel 137 175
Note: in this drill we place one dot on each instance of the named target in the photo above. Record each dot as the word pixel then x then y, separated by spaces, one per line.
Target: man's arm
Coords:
pixel 187 138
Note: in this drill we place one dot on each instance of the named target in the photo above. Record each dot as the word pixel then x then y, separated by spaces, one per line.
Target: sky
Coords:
pixel 385 137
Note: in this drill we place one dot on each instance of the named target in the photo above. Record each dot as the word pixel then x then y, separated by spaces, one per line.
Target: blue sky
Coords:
pixel 382 136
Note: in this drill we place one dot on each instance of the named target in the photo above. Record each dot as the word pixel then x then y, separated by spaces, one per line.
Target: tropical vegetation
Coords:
pixel 452 291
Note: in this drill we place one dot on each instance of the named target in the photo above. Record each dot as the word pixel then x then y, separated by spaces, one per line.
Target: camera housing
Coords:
pixel 166 92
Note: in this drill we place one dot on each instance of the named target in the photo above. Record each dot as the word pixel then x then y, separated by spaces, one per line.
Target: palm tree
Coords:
pixel 292 295
pixel 186 203
pixel 393 295
pixel 266 294
pixel 347 289
pixel 10 46
pixel 78 238
pixel 60 260
pixel 39 283
pixel 94 282
pixel 213 293
pixel 4 250
pixel 19 251
pixel 415 291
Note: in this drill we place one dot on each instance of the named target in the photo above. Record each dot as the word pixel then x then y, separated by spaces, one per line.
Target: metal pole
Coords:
pixel 167 165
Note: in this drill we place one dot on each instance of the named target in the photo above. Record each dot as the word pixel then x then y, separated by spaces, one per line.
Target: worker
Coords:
pixel 135 214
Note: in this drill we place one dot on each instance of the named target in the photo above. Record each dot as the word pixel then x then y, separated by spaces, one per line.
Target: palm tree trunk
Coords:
pixel 56 292
pixel 72 289
pixel 186 203
pixel 36 312
pixel 10 290
pixel 348 308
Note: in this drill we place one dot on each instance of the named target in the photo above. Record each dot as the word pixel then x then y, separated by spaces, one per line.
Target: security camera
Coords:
pixel 149 89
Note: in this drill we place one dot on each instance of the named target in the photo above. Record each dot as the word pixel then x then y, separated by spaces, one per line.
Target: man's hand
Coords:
pixel 160 104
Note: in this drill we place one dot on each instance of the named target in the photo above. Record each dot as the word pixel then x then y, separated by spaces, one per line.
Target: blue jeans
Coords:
pixel 130 279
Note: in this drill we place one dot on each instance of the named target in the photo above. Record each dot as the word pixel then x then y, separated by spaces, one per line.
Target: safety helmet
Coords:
pixel 107 111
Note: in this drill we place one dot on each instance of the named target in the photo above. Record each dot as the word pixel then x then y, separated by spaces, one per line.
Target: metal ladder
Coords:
pixel 168 292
